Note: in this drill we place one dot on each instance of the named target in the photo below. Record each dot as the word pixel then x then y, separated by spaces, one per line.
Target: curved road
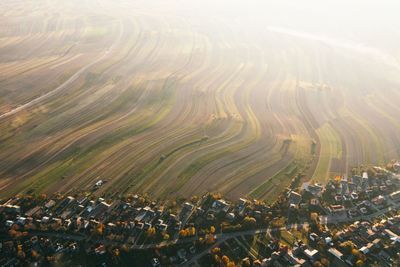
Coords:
pixel 70 80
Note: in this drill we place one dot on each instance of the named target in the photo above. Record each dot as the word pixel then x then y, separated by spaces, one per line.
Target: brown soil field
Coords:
pixel 177 98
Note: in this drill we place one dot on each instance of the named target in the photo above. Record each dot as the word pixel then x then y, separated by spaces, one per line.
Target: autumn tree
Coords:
pixel 225 260
pixel 182 234
pixel 216 250
pixel 151 233
pixel 249 222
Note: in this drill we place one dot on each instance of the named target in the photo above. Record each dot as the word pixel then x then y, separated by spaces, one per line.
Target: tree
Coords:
pixel 225 260
pixel 151 232
pixel 325 262
pixel 216 250
pixel 249 222
pixel 182 234
pixel 357 254
pixel 348 247
pixel 210 238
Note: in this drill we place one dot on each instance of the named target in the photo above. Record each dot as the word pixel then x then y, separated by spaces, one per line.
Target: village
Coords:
pixel 346 222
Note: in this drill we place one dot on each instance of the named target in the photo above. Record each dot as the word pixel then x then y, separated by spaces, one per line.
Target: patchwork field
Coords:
pixel 173 99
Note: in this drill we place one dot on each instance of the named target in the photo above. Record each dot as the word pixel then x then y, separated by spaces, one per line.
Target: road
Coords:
pixel 70 80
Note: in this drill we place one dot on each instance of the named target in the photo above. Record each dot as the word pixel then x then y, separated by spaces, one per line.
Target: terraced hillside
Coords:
pixel 180 97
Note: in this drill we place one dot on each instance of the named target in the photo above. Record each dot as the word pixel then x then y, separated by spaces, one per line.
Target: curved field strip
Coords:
pixel 331 147
pixel 181 151
pixel 238 145
pixel 181 104
pixel 375 141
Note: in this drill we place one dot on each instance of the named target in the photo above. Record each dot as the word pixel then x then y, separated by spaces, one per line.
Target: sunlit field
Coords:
pixel 175 98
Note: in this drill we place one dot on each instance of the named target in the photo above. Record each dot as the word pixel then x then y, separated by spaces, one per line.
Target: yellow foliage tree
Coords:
pixel 225 260
pixel 182 234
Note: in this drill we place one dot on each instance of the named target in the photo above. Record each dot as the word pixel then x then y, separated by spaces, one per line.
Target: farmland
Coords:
pixel 151 97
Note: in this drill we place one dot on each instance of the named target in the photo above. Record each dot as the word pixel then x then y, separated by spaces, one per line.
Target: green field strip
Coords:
pixel 356 126
pixel 224 137
pixel 106 141
pixel 282 175
pixel 377 139
pixel 331 147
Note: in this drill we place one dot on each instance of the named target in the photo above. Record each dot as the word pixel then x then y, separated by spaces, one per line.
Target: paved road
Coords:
pixel 70 80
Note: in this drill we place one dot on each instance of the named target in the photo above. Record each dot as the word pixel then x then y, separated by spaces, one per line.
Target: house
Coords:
pixel 49 204
pixel 344 186
pixel 396 166
pixel 357 180
pixel 155 262
pixel 242 202
pixel 220 205
pixel 188 207
pixel 314 202
pixel 147 226
pixel 100 250
pixel 346 197
pixel 199 211
pixel 365 181
pixel 315 189
pixel 163 227
pixel 395 195
pixel 140 225
pixel 293 260
pixel 338 198
pixel 364 250
pixel 336 253
pixel 312 255
pixel 353 212
pixel 81 199
pixel 33 211
pixel 379 200
pixel 21 220
pixel 383 188
pixel 328 240
pixel 352 187
pixel 210 217
pixel 230 216
pixel 314 237
pixel 100 209
pixel 294 197
pixel 354 196
pixel 8 208
pixel 336 209
pixel 392 235
pixel 65 214
pixel 178 226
